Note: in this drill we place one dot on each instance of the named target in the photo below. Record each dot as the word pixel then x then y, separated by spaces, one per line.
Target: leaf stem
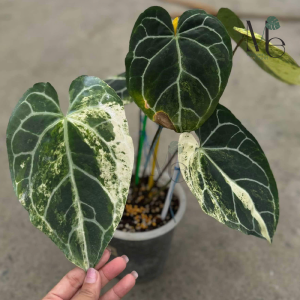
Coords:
pixel 151 181
pixel 139 157
pixel 237 45
pixel 154 141
pixel 166 166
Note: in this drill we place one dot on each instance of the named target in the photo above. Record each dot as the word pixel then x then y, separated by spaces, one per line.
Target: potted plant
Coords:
pixel 73 173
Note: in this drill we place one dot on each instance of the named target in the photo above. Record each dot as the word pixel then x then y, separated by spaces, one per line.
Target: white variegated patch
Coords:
pixel 246 199
pixel 72 173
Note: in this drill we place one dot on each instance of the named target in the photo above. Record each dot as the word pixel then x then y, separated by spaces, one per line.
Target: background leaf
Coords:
pixel 72 173
pixel 229 19
pixel 273 23
pixel 178 79
pixel 118 83
pixel 284 68
pixel 230 176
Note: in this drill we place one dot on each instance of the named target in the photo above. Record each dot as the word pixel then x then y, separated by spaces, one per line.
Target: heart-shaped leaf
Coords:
pixel 118 83
pixel 230 176
pixel 273 23
pixel 72 173
pixel 177 78
pixel 283 68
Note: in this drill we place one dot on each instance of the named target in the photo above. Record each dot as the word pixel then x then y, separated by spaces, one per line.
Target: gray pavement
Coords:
pixel 57 41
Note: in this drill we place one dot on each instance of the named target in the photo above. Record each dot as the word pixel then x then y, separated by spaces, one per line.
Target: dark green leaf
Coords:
pixel 273 23
pixel 72 173
pixel 283 68
pixel 229 19
pixel 118 83
pixel 178 79
pixel 230 176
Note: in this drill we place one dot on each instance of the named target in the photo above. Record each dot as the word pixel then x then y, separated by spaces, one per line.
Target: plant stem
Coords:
pixel 141 142
pixel 166 166
pixel 151 180
pixel 237 45
pixel 155 139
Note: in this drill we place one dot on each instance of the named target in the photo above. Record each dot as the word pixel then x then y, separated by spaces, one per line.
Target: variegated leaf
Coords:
pixel 176 73
pixel 281 65
pixel 230 176
pixel 72 173
pixel 283 68
pixel 118 83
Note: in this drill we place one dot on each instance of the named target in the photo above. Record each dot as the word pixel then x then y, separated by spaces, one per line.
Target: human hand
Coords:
pixel 78 285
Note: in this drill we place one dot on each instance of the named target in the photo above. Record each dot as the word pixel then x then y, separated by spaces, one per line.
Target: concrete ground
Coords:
pixel 57 41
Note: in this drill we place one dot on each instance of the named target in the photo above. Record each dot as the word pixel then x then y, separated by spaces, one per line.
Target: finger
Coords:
pixel 104 259
pixel 73 280
pixel 113 269
pixel 121 288
pixel 91 287
pixel 68 285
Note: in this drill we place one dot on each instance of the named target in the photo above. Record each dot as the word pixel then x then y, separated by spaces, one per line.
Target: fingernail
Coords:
pixel 135 274
pixel 108 249
pixel 125 258
pixel 91 276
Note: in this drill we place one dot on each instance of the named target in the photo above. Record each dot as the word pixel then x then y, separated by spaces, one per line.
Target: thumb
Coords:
pixel 91 287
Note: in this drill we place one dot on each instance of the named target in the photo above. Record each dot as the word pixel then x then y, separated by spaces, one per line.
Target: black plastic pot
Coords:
pixel 148 251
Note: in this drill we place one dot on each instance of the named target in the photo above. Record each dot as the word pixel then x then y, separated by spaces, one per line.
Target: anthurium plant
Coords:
pixel 72 173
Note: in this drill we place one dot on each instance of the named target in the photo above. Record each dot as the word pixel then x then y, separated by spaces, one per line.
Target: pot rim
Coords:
pixel 141 236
